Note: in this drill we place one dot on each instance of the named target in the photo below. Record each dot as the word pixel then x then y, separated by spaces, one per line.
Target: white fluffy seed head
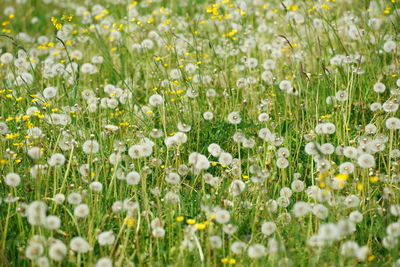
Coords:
pixel 80 245
pixel 12 179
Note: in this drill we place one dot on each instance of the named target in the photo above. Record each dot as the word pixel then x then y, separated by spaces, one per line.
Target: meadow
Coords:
pixel 199 133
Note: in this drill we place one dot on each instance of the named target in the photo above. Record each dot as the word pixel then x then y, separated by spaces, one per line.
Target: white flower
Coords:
pixel 301 209
pixel 171 197
pixel 320 211
pixel 6 58
pixel 3 128
pixel 156 100
pixel 236 187
pixel 356 216
pixel 234 117
pixel 50 92
pixel 35 153
pixel 140 151
pixel 341 96
pixel 256 251
pixel 366 161
pixel 199 161
pixel 173 178
pixel 147 44
pixel 80 245
pixel 269 64
pixel 57 250
pixel 393 123
pixel 312 148
pixel 56 159
pixel 389 46
pixel 208 115
pixel 225 158
pixel 104 262
pixel 106 238
pixel 263 117
pixel 328 128
pixel 395 210
pixel 393 229
pixel 158 232
pixel 88 68
pixel 328 232
pixel 282 163
pixel 268 228
pixel 214 149
pixel 12 179
pixel 81 211
pixel 285 85
pixel 91 147
pixel 238 247
pixel 352 201
pixel 132 178
pixel 222 216
pixel 52 222
pixel 43 261
pixel 285 192
pixel 59 198
pixel 346 167
pixel 215 241
pixel 36 212
pixel 297 186
pixel 327 149
pixel 379 87
pixel 349 248
pixel 34 250
pixel 184 127
pixel 74 198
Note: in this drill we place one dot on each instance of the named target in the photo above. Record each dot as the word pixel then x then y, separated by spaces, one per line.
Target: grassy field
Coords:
pixel 199 133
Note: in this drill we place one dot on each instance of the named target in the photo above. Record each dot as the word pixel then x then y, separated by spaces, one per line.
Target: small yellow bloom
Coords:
pixel 374 179
pixel 360 186
pixel 180 218
pixel 342 176
pixel 130 221
pixel 190 221
pixel 200 226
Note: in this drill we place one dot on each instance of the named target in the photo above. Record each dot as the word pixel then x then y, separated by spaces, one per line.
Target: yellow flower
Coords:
pixel 374 179
pixel 190 221
pixel 130 221
pixel 200 226
pixel 360 186
pixel 179 218
pixel 323 175
pixel 342 176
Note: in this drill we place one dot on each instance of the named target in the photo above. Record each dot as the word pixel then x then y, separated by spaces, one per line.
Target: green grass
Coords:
pixel 197 32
